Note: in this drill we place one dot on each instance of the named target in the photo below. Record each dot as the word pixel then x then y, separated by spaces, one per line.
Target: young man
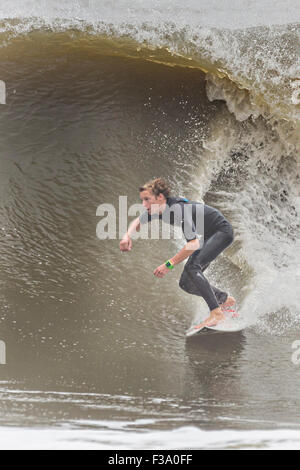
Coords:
pixel 217 235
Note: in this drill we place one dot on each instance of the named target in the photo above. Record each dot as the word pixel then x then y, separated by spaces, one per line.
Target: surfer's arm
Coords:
pixel 186 251
pixel 133 227
pixel 126 242
pixel 190 233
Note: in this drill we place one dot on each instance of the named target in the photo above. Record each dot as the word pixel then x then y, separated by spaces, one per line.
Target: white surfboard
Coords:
pixel 230 325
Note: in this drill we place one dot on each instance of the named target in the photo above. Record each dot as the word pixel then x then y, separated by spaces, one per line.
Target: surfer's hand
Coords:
pixel 126 243
pixel 161 271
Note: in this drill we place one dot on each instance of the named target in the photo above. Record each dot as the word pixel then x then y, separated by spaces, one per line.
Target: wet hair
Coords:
pixel 157 186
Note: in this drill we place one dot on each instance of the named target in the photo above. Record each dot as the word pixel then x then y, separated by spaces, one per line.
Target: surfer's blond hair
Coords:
pixel 157 186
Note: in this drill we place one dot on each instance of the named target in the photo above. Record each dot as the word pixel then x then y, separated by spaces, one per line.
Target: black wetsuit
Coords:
pixel 217 234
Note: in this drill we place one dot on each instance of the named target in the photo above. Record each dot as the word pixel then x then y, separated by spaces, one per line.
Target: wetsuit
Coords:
pixel 196 219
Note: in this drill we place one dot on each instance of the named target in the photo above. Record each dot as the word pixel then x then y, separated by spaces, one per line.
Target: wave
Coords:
pixel 261 64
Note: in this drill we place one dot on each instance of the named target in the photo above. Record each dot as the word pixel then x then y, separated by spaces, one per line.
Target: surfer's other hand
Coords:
pixel 161 271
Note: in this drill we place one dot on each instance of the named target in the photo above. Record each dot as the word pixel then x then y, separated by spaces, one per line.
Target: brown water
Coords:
pixel 93 340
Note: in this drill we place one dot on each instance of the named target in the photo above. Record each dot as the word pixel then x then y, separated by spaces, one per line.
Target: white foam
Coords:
pixel 181 438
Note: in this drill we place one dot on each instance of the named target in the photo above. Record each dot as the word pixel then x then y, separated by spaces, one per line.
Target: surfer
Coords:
pixel 217 235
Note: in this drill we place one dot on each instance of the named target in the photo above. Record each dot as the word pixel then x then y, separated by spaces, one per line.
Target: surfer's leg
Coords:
pixel 211 248
pixel 221 295
pixel 194 282
pixel 223 298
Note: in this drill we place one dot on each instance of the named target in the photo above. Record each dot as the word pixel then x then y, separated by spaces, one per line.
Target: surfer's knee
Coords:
pixel 182 281
pixel 192 282
pixel 186 282
pixel 229 237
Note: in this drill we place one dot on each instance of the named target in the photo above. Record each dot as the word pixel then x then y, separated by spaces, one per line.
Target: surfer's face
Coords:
pixel 152 203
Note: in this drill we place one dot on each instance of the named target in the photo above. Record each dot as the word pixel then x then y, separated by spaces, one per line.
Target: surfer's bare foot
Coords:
pixel 228 307
pixel 230 301
pixel 215 317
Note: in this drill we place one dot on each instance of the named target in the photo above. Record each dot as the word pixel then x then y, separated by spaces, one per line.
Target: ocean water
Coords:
pixel 98 97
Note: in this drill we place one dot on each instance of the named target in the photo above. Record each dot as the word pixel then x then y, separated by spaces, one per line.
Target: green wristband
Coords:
pixel 169 264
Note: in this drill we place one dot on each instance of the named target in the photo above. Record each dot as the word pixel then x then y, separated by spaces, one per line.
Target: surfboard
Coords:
pixel 230 325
